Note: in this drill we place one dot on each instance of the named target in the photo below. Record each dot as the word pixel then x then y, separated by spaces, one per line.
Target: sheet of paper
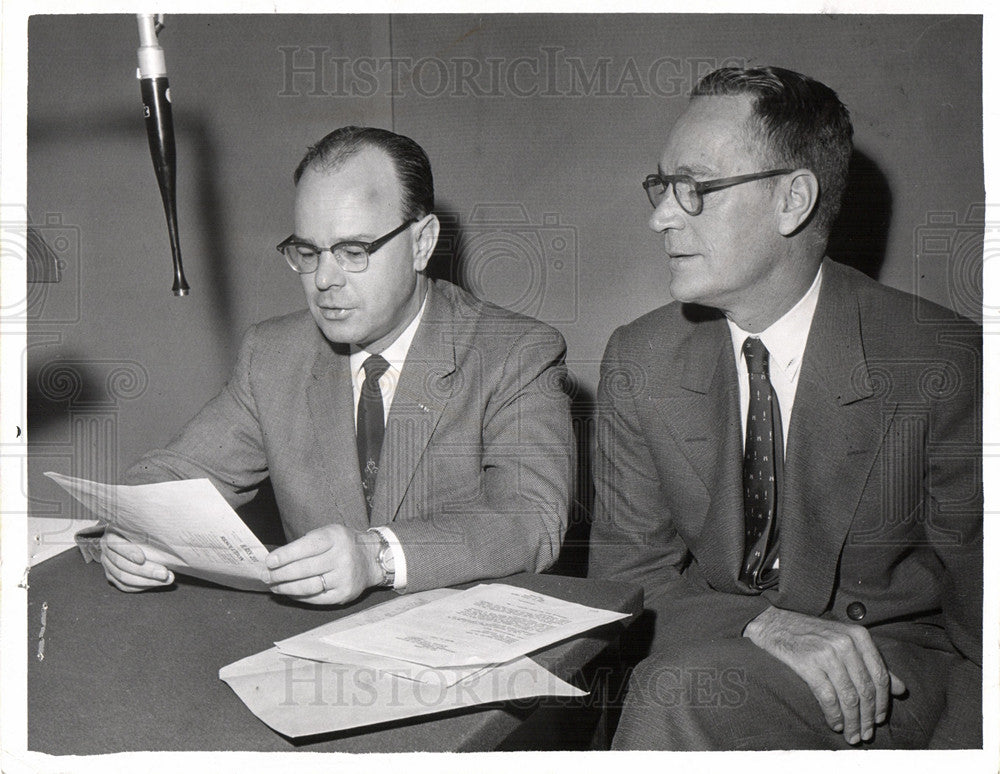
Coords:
pixel 185 525
pixel 312 645
pixel 489 624
pixel 49 536
pixel 297 697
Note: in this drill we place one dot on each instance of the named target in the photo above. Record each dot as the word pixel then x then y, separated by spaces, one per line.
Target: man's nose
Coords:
pixel 668 214
pixel 328 272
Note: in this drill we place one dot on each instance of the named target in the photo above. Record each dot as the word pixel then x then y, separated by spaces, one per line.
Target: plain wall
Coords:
pixel 539 129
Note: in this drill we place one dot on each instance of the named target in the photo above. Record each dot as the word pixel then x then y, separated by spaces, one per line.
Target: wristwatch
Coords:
pixel 386 561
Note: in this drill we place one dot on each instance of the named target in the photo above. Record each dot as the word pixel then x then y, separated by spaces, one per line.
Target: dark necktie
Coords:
pixel 371 426
pixel 762 460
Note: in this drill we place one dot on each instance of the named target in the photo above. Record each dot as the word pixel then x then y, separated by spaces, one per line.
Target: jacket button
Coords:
pixel 856 611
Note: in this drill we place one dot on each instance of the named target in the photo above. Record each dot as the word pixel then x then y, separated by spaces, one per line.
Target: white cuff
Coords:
pixel 398 557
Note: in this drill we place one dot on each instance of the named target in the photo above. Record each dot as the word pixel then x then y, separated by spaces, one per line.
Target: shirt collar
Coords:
pixel 395 353
pixel 785 338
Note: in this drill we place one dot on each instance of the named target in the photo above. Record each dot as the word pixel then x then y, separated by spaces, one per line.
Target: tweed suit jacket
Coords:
pixel 478 450
pixel 881 505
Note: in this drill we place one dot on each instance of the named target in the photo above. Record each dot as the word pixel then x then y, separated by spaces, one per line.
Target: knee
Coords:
pixel 689 676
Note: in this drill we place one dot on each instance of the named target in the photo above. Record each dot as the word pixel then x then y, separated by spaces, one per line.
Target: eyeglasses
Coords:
pixel 350 256
pixel 690 193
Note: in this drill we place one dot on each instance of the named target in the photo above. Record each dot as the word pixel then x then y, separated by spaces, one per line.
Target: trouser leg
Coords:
pixel 732 695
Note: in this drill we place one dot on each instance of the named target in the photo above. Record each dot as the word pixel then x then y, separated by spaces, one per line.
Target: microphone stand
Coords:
pixel 152 74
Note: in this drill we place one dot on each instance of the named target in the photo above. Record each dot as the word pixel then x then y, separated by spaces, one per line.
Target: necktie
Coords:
pixel 371 426
pixel 763 456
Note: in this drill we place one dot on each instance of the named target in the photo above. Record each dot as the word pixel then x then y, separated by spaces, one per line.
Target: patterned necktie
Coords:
pixel 371 426
pixel 763 455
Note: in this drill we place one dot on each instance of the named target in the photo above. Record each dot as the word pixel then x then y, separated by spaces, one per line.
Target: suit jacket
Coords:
pixel 880 511
pixel 476 461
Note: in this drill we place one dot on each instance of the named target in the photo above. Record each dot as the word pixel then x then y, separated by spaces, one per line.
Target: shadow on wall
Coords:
pixel 194 132
pixel 446 262
pixel 74 399
pixel 583 412
pixel 74 405
pixel 860 234
pixel 462 250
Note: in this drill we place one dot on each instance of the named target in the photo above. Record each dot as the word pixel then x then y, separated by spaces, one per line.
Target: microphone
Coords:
pixel 152 75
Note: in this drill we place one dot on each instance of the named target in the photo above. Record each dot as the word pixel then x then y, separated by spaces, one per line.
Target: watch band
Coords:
pixel 385 560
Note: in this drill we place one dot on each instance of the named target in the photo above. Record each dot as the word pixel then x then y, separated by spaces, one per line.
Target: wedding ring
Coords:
pixel 323 581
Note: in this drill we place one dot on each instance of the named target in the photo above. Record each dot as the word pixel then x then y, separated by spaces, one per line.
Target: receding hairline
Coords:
pixel 372 188
pixel 753 140
pixel 335 160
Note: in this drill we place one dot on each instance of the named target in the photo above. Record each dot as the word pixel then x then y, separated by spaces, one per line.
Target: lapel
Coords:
pixel 704 420
pixel 838 423
pixel 423 391
pixel 331 407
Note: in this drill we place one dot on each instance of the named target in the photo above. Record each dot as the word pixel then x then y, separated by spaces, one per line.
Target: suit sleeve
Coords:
pixel 955 529
pixel 517 513
pixel 633 537
pixel 222 442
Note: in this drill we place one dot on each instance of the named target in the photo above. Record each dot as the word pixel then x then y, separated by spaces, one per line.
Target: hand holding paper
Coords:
pixel 185 526
pixel 329 565
pixel 126 566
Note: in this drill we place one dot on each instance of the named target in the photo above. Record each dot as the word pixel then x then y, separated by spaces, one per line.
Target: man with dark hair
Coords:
pixel 788 456
pixel 414 436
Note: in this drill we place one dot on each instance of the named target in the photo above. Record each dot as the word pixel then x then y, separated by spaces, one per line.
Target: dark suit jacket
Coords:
pixel 881 505
pixel 477 456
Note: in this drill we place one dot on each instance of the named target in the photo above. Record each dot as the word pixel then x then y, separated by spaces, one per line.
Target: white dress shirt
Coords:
pixel 395 355
pixel 785 340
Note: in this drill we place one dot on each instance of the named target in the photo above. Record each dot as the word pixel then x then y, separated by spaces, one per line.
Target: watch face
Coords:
pixel 385 558
pixel 387 564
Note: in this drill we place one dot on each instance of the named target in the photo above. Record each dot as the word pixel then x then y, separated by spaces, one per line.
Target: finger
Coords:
pixel 335 595
pixel 864 684
pixel 306 546
pixel 826 695
pixel 332 597
pixel 122 547
pixel 847 697
pixel 330 588
pixel 896 686
pixel 301 569
pixel 122 586
pixel 146 569
pixel 305 587
pixel 128 581
pixel 878 672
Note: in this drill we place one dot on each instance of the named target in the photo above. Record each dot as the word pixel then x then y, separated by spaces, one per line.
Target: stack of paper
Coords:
pixel 418 654
pixel 415 655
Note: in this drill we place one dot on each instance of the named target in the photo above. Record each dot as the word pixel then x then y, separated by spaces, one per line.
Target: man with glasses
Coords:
pixel 788 456
pixel 414 436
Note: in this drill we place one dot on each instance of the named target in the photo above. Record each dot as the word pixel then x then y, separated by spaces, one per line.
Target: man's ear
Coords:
pixel 425 240
pixel 799 194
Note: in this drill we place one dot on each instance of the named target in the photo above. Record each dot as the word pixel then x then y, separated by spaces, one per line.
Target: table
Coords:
pixel 127 672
